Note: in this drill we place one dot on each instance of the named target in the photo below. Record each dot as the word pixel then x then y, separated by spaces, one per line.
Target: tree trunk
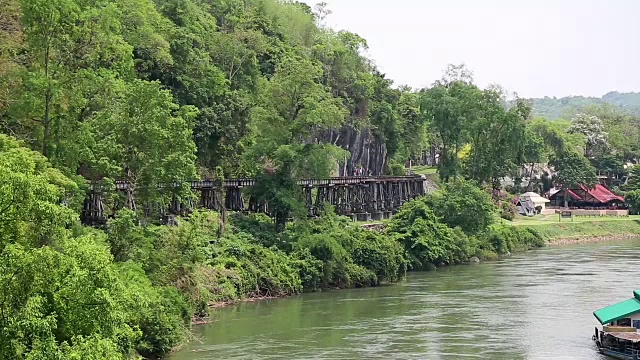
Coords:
pixel 281 222
pixel 47 125
pixel 530 176
pixel 47 108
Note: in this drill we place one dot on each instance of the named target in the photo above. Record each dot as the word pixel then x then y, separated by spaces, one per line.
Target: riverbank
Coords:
pixel 581 230
pixel 590 239
pixel 554 234
pixel 334 253
pixel 390 322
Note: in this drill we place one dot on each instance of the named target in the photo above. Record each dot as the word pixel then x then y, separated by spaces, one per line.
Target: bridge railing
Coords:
pixel 123 185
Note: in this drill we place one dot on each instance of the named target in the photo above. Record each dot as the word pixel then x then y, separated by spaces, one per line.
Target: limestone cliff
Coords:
pixel 366 149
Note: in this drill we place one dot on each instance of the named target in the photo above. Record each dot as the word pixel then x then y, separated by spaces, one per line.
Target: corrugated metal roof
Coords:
pixel 574 195
pixel 602 194
pixel 599 193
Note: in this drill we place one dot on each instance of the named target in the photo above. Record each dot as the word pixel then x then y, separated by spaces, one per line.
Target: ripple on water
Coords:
pixel 536 305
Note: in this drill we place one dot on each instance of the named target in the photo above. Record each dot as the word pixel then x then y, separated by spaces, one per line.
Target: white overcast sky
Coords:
pixel 532 47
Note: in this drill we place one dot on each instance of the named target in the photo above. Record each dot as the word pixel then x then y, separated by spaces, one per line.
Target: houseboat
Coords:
pixel 619 336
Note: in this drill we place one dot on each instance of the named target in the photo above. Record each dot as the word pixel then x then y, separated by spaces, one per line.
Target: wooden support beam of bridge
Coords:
pixel 361 198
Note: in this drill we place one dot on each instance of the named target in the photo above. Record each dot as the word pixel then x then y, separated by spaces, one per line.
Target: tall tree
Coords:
pixel 71 45
pixel 31 193
pixel 633 182
pixel 142 136
pixel 533 153
pixel 413 127
pixel 572 170
pixel 593 130
pixel 292 107
pixel 12 45
pixel 450 107
pixel 496 138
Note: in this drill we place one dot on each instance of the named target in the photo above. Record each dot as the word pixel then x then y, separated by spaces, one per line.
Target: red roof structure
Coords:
pixel 602 194
pixel 599 194
pixel 574 195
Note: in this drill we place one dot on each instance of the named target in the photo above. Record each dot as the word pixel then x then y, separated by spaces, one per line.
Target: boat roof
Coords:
pixel 630 336
pixel 620 310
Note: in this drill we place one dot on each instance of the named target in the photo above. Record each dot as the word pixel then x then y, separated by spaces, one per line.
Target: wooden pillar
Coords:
pixel 93 210
pixel 308 197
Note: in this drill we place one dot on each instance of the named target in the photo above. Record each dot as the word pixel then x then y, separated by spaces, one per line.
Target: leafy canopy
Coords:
pixel 573 170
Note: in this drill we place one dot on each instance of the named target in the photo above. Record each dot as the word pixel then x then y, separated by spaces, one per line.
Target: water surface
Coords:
pixel 536 305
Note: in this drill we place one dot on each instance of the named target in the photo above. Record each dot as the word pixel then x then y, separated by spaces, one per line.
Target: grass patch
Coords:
pixel 435 178
pixel 553 219
pixel 424 170
pixel 585 228
pixel 430 172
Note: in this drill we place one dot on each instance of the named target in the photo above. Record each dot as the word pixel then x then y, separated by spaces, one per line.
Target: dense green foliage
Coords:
pixel 633 183
pixel 124 88
pixel 632 198
pixel 505 240
pixel 84 305
pixel 462 115
pixel 159 92
pixel 163 91
pixel 462 204
pixel 428 240
pixel 450 227
pixel 133 290
pixel 508 210
pixel 30 193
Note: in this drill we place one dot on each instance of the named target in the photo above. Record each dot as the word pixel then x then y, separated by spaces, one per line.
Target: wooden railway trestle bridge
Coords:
pixel 361 198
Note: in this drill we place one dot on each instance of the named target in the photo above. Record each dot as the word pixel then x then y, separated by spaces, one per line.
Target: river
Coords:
pixel 536 305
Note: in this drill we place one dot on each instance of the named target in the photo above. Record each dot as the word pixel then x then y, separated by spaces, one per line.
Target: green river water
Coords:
pixel 536 305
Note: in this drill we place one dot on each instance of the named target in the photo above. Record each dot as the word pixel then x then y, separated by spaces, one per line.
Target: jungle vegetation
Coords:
pixel 167 91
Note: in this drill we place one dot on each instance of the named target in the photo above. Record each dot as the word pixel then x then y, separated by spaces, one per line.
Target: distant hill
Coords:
pixel 556 108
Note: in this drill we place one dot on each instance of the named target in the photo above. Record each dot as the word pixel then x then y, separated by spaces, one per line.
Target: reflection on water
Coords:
pixel 536 305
